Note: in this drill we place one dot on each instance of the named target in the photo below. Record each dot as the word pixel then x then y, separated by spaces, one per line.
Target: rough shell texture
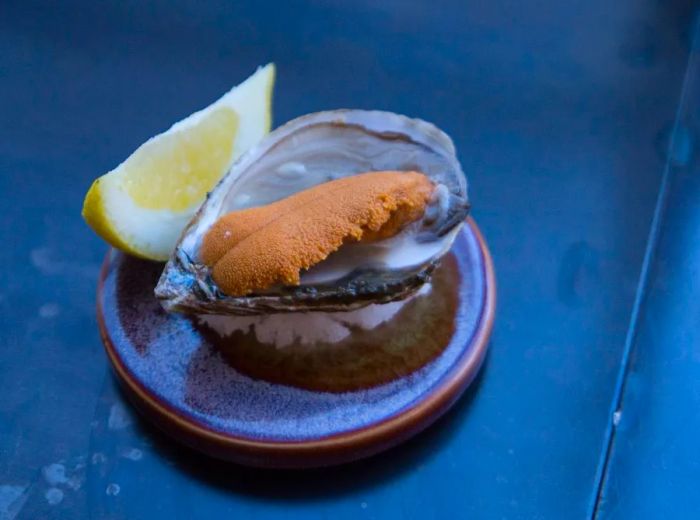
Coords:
pixel 305 152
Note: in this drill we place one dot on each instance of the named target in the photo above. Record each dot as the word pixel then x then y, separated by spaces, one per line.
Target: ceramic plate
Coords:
pixel 262 406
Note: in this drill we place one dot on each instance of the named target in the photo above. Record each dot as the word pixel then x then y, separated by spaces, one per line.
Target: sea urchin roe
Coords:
pixel 253 249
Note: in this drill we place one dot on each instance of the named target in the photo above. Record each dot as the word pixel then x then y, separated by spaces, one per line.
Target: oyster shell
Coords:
pixel 303 153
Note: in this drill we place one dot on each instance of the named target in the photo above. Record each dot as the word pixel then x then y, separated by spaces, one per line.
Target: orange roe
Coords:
pixel 253 249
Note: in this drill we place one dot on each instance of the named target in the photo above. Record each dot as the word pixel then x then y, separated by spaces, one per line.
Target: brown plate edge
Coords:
pixel 331 450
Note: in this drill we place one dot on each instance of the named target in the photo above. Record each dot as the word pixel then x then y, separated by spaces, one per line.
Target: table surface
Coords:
pixel 575 123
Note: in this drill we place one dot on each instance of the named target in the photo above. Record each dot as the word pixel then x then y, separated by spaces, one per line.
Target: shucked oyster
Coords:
pixel 302 155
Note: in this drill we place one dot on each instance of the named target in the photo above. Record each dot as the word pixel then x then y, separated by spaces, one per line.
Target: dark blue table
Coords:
pixel 576 123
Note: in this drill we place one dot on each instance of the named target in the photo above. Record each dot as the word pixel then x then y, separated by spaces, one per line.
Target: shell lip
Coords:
pixel 349 294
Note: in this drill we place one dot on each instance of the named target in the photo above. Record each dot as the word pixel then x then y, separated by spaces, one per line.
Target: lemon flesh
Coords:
pixel 142 206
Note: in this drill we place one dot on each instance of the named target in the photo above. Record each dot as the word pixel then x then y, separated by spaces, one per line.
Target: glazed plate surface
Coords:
pixel 184 382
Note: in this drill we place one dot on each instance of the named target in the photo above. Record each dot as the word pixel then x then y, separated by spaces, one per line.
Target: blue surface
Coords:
pixel 655 453
pixel 559 111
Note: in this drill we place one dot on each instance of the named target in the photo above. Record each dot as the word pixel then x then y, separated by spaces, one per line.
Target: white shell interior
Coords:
pixel 311 151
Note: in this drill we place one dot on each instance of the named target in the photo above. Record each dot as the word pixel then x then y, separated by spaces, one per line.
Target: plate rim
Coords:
pixel 331 449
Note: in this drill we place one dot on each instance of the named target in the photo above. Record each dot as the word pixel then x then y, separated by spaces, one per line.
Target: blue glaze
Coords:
pixel 177 363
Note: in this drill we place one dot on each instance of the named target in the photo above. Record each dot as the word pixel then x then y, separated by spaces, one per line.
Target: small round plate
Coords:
pixel 181 382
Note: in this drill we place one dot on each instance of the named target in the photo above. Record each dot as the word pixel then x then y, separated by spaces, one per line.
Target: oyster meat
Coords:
pixel 306 152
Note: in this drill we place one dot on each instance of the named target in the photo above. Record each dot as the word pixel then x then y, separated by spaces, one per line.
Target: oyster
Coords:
pixel 306 152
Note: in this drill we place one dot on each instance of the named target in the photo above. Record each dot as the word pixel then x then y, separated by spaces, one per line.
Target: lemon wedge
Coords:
pixel 142 206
